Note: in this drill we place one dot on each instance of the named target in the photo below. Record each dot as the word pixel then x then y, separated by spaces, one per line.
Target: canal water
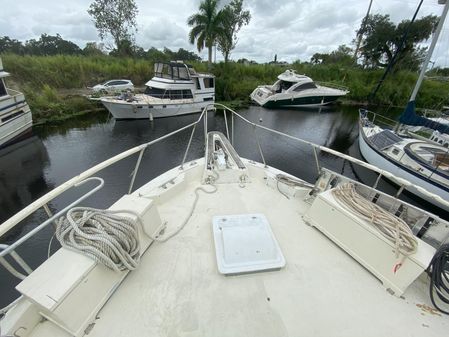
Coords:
pixel 33 167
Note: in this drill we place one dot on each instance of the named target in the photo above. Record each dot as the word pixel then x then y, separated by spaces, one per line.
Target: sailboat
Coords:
pixel 423 162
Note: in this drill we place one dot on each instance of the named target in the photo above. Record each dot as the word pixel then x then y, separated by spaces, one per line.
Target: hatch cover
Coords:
pixel 384 139
pixel 245 243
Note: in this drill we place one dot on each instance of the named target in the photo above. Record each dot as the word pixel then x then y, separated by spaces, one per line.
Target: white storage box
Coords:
pixel 366 245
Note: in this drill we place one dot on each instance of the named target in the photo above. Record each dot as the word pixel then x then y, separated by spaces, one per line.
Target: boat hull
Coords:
pixel 301 102
pixel 15 129
pixel 125 110
pixel 374 157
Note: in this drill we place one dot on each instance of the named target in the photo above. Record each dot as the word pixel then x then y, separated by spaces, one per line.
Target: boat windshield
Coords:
pixel 283 86
pixel 436 157
pixel 304 86
pixel 172 70
pixel 169 94
pixel 155 92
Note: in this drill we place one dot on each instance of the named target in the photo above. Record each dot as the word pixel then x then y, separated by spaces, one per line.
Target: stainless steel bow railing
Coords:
pixel 87 176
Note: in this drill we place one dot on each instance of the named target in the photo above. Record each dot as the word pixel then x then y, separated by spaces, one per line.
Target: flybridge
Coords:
pixel 173 70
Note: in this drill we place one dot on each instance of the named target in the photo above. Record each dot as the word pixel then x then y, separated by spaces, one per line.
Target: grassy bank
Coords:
pixel 45 80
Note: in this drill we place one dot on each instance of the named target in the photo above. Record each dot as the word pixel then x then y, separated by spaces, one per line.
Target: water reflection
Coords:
pixel 22 177
pixel 81 123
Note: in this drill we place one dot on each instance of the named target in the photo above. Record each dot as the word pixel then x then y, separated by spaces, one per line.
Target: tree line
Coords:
pixel 211 26
pixel 381 40
pixel 48 45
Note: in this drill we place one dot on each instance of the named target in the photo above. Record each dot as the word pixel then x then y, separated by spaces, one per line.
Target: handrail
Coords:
pixel 332 85
pixel 376 116
pixel 17 243
pixel 386 174
pixel 18 217
pixel 10 223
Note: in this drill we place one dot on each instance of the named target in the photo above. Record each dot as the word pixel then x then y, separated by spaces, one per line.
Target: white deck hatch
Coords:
pixel 245 243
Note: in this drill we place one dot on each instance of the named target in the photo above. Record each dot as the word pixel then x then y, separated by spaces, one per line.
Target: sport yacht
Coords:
pixel 15 114
pixel 226 246
pixel 176 89
pixel 294 90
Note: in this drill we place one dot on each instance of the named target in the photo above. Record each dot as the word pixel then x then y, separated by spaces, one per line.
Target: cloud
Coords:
pixel 162 32
pixel 292 29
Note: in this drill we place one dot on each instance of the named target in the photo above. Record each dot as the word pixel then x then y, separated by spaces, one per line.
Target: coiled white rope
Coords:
pixel 106 237
pixel 390 226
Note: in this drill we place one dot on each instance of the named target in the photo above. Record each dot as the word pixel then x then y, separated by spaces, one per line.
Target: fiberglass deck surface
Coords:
pixel 322 291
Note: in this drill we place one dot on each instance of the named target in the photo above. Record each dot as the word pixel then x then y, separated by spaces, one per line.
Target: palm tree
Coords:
pixel 207 26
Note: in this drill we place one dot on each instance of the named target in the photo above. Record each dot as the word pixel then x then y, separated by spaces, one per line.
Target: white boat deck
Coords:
pixel 322 291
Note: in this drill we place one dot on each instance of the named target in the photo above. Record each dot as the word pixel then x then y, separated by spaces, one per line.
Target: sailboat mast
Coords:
pixel 431 48
pixel 360 32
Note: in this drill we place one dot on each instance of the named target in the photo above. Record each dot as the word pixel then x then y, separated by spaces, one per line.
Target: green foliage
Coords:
pixel 46 45
pixel 343 56
pixel 63 71
pixel 154 55
pixel 8 45
pixel 116 18
pixel 234 18
pixel 381 39
pixel 51 45
pixel 94 49
pixel 437 71
pixel 181 54
pixel 207 26
pixel 126 48
pixel 45 79
pixel 55 45
pixel 49 106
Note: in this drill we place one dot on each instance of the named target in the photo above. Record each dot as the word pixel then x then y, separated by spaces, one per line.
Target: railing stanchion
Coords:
pixel 399 191
pixel 13 271
pixel 205 126
pixel 21 262
pixel 25 267
pixel 49 214
pixel 188 147
pixel 232 128
pixel 139 159
pixel 226 122
pixel 258 144
pixel 377 180
pixel 317 162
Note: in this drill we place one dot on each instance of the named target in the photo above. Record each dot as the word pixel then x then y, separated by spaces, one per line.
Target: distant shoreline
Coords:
pixel 53 85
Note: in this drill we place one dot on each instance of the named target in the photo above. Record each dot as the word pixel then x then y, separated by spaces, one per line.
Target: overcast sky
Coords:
pixel 292 29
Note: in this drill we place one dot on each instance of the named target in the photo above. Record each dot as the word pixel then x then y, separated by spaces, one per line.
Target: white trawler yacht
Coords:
pixel 15 114
pixel 176 89
pixel 225 246
pixel 294 90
